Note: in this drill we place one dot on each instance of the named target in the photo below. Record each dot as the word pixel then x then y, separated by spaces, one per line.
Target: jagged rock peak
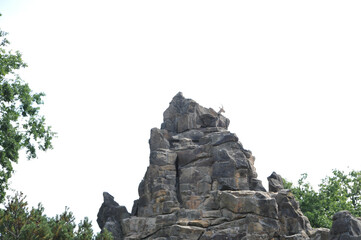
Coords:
pixel 179 95
pixel 109 199
pixel 201 184
pixel 185 114
pixel 110 215
pixel 275 182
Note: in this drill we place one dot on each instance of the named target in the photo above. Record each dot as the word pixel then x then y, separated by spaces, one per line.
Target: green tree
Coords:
pixel 337 192
pixel 18 223
pixel 105 235
pixel 21 124
pixel 85 230
pixel 63 225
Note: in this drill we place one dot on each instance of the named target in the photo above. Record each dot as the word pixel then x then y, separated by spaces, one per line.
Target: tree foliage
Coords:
pixel 17 222
pixel 337 192
pixel 21 124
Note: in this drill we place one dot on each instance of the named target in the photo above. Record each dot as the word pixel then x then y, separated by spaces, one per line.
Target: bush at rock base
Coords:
pixel 338 192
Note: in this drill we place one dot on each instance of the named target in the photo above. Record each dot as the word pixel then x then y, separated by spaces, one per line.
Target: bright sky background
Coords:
pixel 288 74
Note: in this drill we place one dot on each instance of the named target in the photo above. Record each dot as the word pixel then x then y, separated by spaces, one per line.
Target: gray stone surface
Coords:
pixel 158 139
pixel 345 227
pixel 275 182
pixel 185 114
pixel 110 215
pixel 320 234
pixel 202 184
pixel 292 221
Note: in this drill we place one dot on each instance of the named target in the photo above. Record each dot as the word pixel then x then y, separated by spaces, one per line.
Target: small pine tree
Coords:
pixel 85 231
pixel 104 235
pixel 18 223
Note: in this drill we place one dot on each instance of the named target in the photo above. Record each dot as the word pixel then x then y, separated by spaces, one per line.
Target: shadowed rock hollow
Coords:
pixel 202 184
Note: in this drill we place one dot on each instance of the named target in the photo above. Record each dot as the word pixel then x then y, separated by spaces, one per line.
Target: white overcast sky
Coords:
pixel 288 74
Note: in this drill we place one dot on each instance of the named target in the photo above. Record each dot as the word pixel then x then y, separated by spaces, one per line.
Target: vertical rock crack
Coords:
pixel 177 187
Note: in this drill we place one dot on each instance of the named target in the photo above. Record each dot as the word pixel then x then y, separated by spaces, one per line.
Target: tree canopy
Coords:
pixel 337 192
pixel 17 222
pixel 21 124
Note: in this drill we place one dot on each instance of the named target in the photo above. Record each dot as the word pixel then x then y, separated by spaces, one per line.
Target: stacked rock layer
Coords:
pixel 202 184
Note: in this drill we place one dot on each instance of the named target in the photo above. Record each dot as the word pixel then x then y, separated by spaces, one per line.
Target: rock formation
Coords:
pixel 345 226
pixel 275 182
pixel 109 214
pixel 201 183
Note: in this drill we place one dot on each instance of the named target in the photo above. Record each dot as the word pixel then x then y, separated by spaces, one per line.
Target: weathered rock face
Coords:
pixel 185 114
pixel 110 215
pixel 275 182
pixel 192 157
pixel 291 220
pixel 345 226
pixel 202 184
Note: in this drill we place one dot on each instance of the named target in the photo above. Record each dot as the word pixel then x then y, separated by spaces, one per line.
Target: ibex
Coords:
pixel 221 110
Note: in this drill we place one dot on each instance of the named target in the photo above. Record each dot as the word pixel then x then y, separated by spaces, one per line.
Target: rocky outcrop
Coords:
pixel 345 226
pixel 185 114
pixel 110 216
pixel 320 234
pixel 275 182
pixel 292 221
pixel 201 183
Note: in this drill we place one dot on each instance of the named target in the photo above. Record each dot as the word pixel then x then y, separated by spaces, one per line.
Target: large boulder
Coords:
pixel 320 234
pixel 345 227
pixel 110 215
pixel 185 114
pixel 291 219
pixel 275 182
